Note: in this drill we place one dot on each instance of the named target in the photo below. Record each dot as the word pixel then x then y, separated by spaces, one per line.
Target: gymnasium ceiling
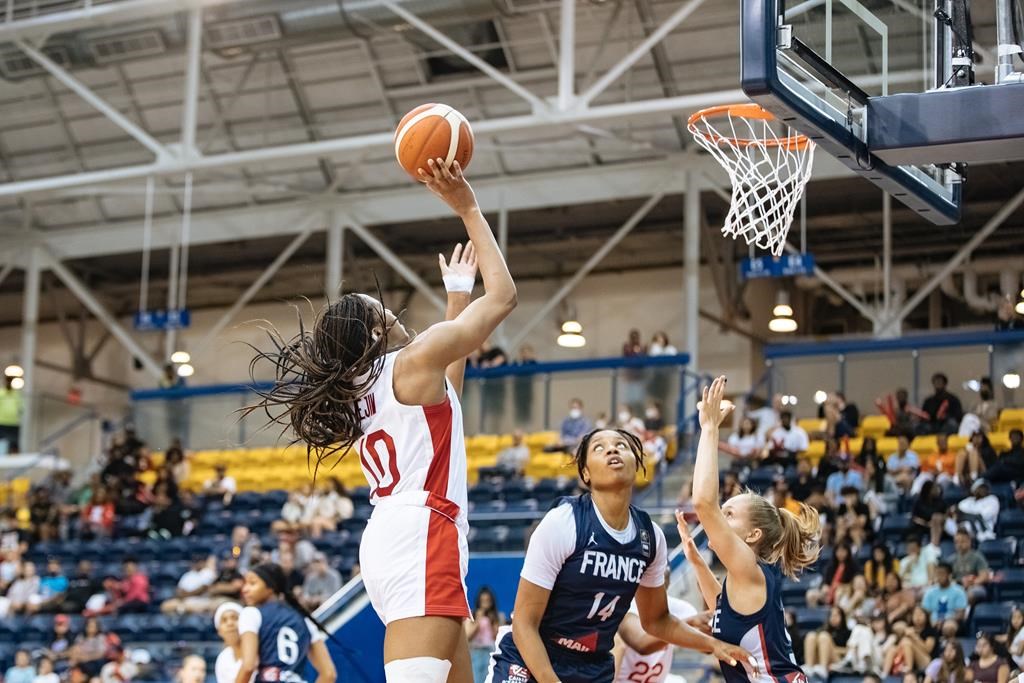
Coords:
pixel 295 71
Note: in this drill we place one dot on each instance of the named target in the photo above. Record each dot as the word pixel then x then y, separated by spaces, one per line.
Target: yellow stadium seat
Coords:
pixel 541 439
pixel 924 445
pixel 812 425
pixel 1011 418
pixel 148 477
pixel 815 451
pixel 874 426
pixel 887 445
pixel 999 441
pixel 956 442
pixel 855 444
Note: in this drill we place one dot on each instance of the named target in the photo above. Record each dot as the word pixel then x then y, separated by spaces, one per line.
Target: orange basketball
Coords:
pixel 433 131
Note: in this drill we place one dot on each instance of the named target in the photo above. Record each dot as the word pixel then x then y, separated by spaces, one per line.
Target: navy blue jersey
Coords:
pixel 285 639
pixel 762 633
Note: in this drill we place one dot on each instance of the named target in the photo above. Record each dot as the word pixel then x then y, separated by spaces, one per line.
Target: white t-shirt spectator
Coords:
pixel 554 541
pixel 194 580
pixel 746 446
pixel 767 419
pixel 914 573
pixel 987 508
pixel 794 439
pixel 656 349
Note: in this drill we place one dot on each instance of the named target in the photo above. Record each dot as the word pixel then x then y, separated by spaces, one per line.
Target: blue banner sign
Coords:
pixel 789 265
pixel 151 321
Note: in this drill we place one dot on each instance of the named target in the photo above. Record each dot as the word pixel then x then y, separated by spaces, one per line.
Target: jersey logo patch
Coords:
pixel 587 643
pixel 645 542
pixel 517 674
pixel 592 541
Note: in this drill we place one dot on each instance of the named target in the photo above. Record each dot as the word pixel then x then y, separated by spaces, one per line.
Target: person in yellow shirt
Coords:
pixel 10 415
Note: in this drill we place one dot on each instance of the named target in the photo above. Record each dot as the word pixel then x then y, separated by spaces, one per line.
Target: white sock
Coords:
pixel 417 670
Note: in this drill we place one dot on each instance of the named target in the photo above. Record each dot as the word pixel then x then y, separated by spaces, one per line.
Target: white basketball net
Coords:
pixel 768 170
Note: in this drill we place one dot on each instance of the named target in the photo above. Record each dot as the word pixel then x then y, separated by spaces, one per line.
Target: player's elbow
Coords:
pixel 654 627
pixel 704 504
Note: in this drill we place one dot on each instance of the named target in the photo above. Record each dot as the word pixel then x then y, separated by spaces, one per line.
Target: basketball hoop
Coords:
pixel 768 170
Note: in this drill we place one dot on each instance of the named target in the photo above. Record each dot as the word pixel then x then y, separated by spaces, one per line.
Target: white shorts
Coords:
pixel 413 561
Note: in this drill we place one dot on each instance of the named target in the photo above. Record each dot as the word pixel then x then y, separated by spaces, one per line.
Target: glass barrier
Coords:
pixel 494 401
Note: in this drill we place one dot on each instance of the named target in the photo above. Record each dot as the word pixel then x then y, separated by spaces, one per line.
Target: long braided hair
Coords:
pixel 321 373
pixel 274 577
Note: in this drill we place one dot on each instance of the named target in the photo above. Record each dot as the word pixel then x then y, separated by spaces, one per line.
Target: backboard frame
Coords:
pixel 763 36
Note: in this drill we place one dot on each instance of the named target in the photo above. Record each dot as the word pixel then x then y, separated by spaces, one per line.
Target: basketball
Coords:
pixel 432 131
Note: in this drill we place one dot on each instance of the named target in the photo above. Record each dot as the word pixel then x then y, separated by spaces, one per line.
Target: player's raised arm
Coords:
pixel 447 342
pixel 708 583
pixel 458 275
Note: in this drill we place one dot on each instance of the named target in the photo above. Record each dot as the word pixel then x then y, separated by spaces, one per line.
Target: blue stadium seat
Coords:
pixel 489 506
pixel 481 493
pixel 991 616
pixel 489 540
pixel 762 478
pixel 513 490
pixel 999 552
pixel 157 628
pixel 526 505
pixel 1004 492
pixel 810 618
pixel 247 500
pixel 1011 523
pixel 952 494
pixel 275 500
pixel 1009 584
pixel 895 526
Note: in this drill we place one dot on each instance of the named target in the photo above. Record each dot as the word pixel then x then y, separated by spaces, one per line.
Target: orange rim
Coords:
pixel 747 110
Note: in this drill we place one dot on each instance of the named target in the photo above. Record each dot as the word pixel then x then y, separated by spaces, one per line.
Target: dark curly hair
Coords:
pixel 635 446
pixel 320 375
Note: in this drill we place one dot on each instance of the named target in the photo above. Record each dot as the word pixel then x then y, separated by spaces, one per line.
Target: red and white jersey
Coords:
pixel 655 667
pixel 413 455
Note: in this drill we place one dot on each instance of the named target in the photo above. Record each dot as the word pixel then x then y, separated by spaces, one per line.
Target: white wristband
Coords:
pixel 458 283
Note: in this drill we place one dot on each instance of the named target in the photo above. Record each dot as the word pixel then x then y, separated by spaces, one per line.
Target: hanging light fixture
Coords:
pixel 17 382
pixel 1011 380
pixel 180 357
pixel 782 314
pixel 14 370
pixel 572 327
pixel 1019 308
pixel 820 396
pixel 186 370
pixel 572 335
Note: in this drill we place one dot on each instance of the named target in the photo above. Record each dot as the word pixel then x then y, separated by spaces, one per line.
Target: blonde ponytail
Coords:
pixel 791 540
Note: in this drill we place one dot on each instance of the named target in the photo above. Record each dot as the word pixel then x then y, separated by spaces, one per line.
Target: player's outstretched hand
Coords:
pixel 713 407
pixel 462 263
pixel 450 185
pixel 737 656
pixel 701 621
pixel 689 547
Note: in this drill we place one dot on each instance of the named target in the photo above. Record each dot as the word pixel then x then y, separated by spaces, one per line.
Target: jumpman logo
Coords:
pixel 592 541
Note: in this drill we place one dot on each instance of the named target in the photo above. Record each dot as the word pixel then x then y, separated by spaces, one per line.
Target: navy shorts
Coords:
pixel 507 665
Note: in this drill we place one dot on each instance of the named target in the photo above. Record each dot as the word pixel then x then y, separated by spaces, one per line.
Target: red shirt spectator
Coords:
pixel 133 591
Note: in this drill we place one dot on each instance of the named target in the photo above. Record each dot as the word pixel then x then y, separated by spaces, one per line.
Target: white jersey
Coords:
pixel 413 455
pixel 655 667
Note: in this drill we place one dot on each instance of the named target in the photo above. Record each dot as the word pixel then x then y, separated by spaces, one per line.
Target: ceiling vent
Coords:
pixel 15 64
pixel 481 38
pixel 124 46
pixel 239 32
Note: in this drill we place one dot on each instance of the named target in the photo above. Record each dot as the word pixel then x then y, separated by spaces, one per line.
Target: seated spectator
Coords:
pixel 222 484
pixel 939 466
pixel 10 569
pixel 916 644
pixel 133 590
pixel 81 587
pixel 193 670
pixel 745 443
pixel 98 515
pixel 22 671
pixel 1013 639
pixel 880 566
pixel 654 420
pixel 854 597
pixel 730 486
pixel 782 498
pixel 765 415
pixel 917 568
pixel 44 514
pixel 970 568
pixel 839 572
pixel 12 536
pixel 986 665
pixel 1009 466
pixel 321 582
pixel 824 648
pixel 626 420
pixel 950 667
pixel 904 417
pixel 24 591
pixel 928 514
pixel 786 442
pixel 192 586
pixel 90 648
pixel 894 601
pixel 52 588
pixel 293 578
pixel 803 482
pixel 903 465
pixel 660 346
pixel 945 600
pixel 943 409
pixel 843 478
pixel 977 456
pixel 119 667
pixel 61 640
pixel 229 661
pixel 853 518
pixel 979 512
pixel 986 409
pixel 836 424
pixel 574 427
pixel 45 672
pixel 169 518
pixel 514 458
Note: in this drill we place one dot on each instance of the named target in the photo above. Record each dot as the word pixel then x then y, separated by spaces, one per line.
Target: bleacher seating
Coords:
pixel 991 616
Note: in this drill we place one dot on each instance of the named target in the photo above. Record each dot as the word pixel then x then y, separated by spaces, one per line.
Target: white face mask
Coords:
pixel 651 413
pixel 600 424
pixel 575 413
pixel 624 416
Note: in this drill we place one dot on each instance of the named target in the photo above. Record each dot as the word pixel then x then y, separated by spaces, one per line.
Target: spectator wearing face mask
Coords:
pixel 631 423
pixel 653 420
pixel 985 409
pixel 574 426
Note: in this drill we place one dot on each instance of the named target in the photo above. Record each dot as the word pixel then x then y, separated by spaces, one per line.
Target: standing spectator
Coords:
pixel 229 661
pixel 949 667
pixel 1009 466
pixel 917 568
pixel 514 458
pixel 880 566
pixel 928 514
pixel 1006 316
pixel 977 456
pixel 660 346
pixel 193 670
pixel 632 378
pixel 81 587
pixel 574 426
pixel 192 586
pixel 823 648
pixel 837 422
pixel 133 590
pixel 945 600
pixel 986 665
pixel 10 415
pixel 626 420
pixel 53 588
pixel 986 409
pixel 943 408
pixel 786 441
pixel 98 515
pixel 222 484
pixel 745 443
pixel 904 464
pixel 979 512
pixel 491 356
pixel 527 355
pixel 177 460
pixel 482 630
pixel 321 582
pixel 22 671
pixel 633 345
pixel 970 568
